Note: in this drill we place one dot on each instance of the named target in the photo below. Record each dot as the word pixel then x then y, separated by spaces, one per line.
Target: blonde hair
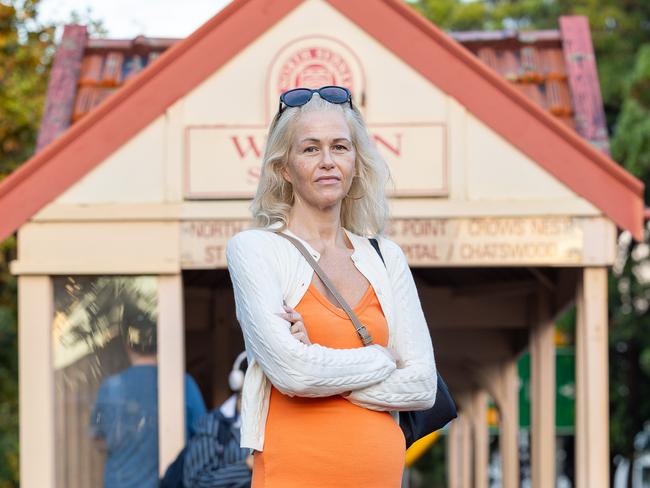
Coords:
pixel 364 210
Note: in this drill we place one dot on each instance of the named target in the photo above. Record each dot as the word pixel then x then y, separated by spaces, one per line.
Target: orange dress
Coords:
pixel 330 442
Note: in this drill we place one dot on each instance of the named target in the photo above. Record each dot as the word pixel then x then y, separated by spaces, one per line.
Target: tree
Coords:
pixel 26 49
pixel 630 282
pixel 631 141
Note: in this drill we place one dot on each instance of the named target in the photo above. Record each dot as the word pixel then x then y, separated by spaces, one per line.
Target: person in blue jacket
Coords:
pixel 124 421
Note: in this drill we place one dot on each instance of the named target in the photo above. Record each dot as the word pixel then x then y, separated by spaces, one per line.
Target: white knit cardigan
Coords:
pixel 265 270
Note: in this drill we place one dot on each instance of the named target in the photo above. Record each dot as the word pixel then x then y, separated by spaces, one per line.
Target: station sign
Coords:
pixel 481 241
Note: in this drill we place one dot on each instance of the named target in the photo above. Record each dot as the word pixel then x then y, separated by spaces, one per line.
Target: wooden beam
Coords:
pixel 542 277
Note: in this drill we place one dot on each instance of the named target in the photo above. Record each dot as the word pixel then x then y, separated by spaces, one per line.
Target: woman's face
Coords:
pixel 321 162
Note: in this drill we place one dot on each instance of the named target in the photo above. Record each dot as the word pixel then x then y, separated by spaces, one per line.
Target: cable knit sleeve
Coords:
pixel 412 387
pixel 292 367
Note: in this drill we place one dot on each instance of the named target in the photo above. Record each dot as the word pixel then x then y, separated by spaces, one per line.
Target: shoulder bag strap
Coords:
pixel 375 244
pixel 364 335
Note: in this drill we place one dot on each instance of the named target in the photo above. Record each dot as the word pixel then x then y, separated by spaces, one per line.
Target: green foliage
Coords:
pixel 8 370
pixel 454 15
pixel 26 49
pixel 639 87
pixel 630 281
pixel 629 299
pixel 94 26
pixel 631 141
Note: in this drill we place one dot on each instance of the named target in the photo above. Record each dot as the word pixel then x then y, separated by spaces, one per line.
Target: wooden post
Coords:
pixel 453 454
pixel 459 453
pixel 542 360
pixel 581 476
pixel 466 453
pixel 509 425
pixel 592 380
pixel 37 443
pixel 480 437
pixel 171 369
pixel 501 382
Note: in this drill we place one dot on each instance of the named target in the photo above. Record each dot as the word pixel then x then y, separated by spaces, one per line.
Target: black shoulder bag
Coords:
pixel 414 424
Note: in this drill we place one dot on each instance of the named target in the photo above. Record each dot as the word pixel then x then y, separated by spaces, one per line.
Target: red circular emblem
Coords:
pixel 313 67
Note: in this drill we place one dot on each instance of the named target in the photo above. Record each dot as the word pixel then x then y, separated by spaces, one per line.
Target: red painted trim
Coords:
pixel 91 140
pixel 457 72
pixel 395 25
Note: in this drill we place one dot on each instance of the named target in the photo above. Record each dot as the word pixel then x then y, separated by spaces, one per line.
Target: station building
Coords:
pixel 504 200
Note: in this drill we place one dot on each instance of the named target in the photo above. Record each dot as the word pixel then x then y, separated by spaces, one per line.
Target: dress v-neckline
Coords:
pixel 363 302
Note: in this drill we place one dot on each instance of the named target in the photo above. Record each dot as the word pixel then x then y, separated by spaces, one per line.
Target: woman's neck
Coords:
pixel 322 228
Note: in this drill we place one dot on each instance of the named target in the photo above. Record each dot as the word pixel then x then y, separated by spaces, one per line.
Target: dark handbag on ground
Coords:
pixel 414 424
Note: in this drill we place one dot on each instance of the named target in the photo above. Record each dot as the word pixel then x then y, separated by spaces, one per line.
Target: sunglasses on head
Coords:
pixel 300 96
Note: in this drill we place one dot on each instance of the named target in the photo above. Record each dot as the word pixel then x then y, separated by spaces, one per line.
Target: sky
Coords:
pixel 130 18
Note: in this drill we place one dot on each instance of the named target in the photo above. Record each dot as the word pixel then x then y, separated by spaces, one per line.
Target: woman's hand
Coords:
pixel 298 329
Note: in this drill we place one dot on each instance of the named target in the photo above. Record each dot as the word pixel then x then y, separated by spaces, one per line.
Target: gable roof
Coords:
pixel 538 63
pixel 533 61
pixel 393 24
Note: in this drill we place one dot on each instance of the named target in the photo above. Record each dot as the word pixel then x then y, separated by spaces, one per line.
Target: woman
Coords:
pixel 318 408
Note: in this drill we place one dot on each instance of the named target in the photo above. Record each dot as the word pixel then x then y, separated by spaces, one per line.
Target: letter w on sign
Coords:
pixel 247 147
